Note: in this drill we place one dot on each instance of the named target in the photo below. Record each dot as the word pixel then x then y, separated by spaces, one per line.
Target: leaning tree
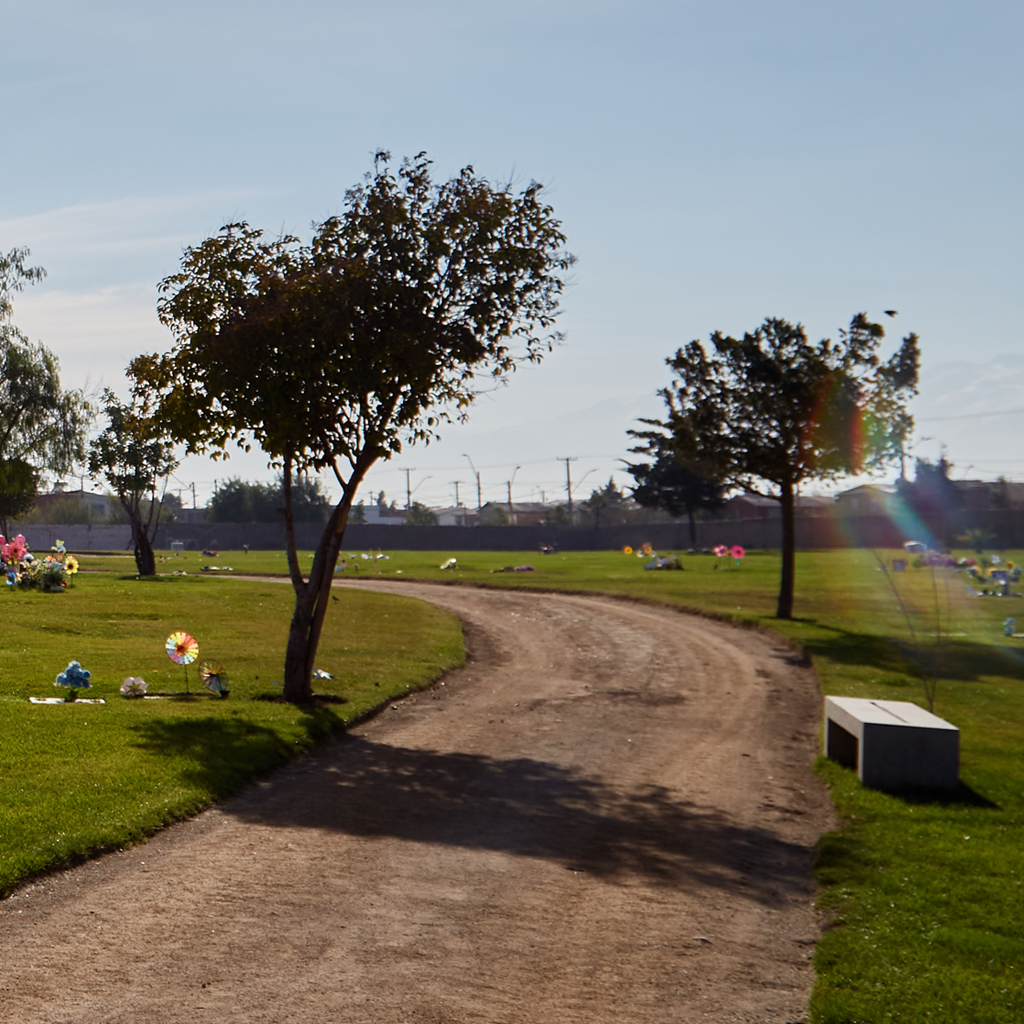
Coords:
pixel 135 458
pixel 334 354
pixel 770 410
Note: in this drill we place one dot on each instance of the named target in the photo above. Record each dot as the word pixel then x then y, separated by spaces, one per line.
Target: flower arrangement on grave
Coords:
pixel 134 686
pixel 22 569
pixel 73 679
pixel 736 552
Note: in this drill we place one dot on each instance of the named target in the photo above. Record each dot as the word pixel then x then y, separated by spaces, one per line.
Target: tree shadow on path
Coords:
pixel 528 808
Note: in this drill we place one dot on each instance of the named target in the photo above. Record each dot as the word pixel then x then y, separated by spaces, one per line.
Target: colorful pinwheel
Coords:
pixel 182 649
pixel 214 678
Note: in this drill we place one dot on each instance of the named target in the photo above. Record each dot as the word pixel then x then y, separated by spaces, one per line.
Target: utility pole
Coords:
pixel 568 483
pixel 458 504
pixel 408 492
pixel 193 494
pixel 511 517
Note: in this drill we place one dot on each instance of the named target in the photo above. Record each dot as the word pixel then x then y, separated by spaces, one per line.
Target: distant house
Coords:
pixel 97 505
pixel 756 506
pixel 382 515
pixel 457 515
pixel 868 500
pixel 519 513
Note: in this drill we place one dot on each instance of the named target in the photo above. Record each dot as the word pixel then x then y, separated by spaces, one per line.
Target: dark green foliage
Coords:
pixel 134 456
pixel 606 505
pixel 931 491
pixel 238 501
pixel 557 516
pixel 42 427
pixel 18 482
pixel 667 484
pixel 773 409
pixel 333 355
pixel 419 515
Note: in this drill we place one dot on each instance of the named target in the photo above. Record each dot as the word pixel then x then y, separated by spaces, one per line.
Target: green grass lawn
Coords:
pixel 925 895
pixel 79 778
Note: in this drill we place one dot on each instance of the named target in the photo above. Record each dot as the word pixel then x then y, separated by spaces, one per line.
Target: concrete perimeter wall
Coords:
pixel 812 534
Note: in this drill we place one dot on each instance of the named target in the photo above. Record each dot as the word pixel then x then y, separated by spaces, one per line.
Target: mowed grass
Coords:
pixel 924 895
pixel 79 778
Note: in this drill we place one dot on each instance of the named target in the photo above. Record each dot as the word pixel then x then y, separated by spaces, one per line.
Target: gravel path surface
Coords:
pixel 607 816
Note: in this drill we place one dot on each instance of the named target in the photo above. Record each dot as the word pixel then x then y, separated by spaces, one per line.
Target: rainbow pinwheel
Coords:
pixel 182 649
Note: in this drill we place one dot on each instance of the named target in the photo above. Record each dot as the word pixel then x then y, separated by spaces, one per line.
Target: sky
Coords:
pixel 712 165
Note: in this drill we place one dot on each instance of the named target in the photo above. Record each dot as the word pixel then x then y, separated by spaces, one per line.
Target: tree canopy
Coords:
pixel 133 456
pixel 769 410
pixel 667 484
pixel 606 505
pixel 238 501
pixel 334 354
pixel 42 427
pixel 417 514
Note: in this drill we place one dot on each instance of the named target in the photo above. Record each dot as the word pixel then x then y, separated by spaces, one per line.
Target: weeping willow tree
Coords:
pixel 42 426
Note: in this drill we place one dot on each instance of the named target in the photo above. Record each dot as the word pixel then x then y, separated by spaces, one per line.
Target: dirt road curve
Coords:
pixel 607 816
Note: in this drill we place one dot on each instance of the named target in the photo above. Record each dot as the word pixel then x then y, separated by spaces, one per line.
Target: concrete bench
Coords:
pixel 893 744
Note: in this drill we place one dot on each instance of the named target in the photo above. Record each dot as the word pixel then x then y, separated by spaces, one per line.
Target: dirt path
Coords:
pixel 606 816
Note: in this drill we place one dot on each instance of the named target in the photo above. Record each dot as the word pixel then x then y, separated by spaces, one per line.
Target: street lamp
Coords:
pixel 479 500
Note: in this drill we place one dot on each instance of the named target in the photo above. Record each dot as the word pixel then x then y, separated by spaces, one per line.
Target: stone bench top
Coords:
pixel 887 712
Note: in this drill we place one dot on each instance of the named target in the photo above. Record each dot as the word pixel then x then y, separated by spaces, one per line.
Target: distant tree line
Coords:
pixel 238 501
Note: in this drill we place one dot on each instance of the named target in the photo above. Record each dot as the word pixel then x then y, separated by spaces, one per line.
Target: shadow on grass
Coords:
pixel 221 755
pixel 962 796
pixel 954 659
pixel 529 808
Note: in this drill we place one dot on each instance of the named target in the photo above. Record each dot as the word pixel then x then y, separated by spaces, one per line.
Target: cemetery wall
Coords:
pixel 819 533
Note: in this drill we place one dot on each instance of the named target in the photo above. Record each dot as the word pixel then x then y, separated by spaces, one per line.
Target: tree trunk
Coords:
pixel 145 560
pixel 693 526
pixel 785 607
pixel 310 610
pixel 313 595
pixel 311 600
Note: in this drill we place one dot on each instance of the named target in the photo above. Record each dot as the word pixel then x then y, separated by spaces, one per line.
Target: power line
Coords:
pixel 970 415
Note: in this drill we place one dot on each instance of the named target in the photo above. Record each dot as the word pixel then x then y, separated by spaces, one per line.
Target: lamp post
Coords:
pixel 479 500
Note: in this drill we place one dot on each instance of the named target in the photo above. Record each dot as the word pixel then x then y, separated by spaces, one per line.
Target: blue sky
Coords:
pixel 712 164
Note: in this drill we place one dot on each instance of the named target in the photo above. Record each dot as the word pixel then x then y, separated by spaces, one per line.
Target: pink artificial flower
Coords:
pixel 16 550
pixel 721 550
pixel 737 552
